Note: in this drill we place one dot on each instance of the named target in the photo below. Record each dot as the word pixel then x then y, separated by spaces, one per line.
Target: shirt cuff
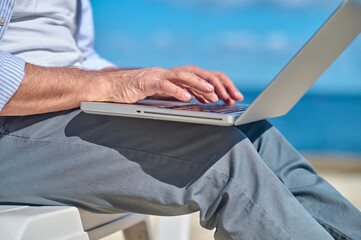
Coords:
pixel 11 75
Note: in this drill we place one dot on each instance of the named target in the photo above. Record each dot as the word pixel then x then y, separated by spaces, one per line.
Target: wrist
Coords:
pixel 97 86
pixel 104 86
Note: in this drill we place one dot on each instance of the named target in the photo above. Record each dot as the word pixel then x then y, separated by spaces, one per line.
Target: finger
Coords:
pixel 169 88
pixel 230 101
pixel 209 97
pixel 199 97
pixel 229 85
pixel 215 81
pixel 190 80
pixel 162 96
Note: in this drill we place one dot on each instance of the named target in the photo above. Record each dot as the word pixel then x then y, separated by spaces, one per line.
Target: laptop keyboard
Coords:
pixel 213 108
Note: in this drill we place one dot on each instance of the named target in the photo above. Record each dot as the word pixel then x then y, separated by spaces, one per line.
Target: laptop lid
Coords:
pixel 308 65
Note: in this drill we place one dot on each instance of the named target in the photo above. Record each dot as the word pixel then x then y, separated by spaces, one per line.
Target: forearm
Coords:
pixel 54 89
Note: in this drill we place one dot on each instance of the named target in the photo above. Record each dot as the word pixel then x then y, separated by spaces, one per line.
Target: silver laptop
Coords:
pixel 276 99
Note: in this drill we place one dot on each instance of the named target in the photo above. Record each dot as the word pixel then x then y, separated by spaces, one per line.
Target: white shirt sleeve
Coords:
pixel 11 67
pixel 11 75
pixel 85 38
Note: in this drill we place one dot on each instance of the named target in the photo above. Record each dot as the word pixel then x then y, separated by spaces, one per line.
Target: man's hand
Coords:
pixel 54 89
pixel 223 85
pixel 130 86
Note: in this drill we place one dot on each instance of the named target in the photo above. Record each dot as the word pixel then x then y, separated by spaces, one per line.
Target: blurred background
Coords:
pixel 250 40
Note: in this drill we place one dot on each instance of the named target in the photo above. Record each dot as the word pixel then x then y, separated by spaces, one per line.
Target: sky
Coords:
pixel 250 40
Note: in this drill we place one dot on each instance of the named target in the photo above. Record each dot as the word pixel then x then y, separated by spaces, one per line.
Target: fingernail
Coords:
pixel 209 86
pixel 187 95
pixel 238 94
pixel 214 97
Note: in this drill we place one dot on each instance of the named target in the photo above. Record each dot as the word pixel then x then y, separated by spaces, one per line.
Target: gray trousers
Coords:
pixel 247 181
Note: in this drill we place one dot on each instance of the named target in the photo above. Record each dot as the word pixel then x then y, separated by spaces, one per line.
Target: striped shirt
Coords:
pixel 12 67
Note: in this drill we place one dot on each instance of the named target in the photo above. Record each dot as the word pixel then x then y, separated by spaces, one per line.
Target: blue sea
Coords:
pixel 322 124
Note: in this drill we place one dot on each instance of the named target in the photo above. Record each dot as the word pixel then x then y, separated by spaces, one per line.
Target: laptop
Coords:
pixel 275 100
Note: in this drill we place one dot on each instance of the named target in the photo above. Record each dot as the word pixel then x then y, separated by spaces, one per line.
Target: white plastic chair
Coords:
pixel 174 228
pixel 63 222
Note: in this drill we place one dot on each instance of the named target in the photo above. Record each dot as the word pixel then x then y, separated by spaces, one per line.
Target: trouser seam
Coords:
pixel 327 225
pixel 261 209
